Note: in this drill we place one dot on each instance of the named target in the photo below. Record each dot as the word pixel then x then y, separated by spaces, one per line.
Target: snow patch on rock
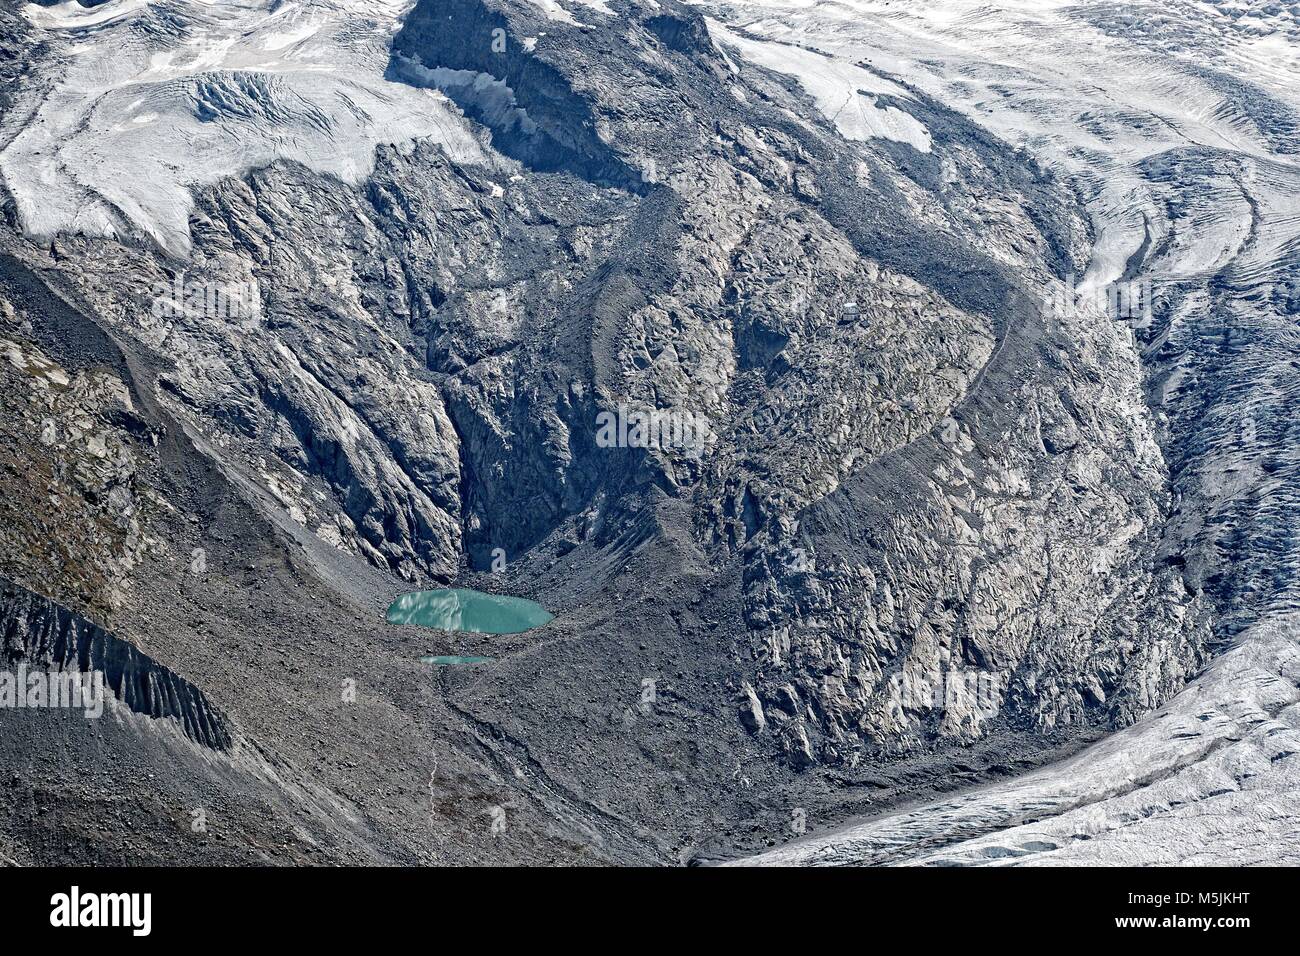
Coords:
pixel 844 93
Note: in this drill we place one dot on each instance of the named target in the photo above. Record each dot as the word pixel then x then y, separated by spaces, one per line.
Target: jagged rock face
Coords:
pixel 1030 549
pixel 997 568
pixel 932 508
pixel 1189 180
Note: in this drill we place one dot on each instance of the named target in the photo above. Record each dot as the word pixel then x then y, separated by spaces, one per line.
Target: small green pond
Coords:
pixel 461 609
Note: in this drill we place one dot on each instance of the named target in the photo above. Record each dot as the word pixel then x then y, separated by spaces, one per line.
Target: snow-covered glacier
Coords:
pixel 151 100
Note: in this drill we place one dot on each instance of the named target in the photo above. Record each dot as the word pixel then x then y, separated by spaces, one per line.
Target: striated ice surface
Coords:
pixel 148 100
pixel 556 11
pixel 1212 778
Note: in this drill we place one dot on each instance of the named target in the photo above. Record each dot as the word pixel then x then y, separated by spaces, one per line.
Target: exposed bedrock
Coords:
pixel 539 113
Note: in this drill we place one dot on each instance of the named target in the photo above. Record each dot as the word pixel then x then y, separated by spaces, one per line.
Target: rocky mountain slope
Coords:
pixel 303 305
pixel 1178 122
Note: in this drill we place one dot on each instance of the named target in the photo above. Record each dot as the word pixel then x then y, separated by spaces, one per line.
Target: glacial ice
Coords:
pixel 844 93
pixel 138 117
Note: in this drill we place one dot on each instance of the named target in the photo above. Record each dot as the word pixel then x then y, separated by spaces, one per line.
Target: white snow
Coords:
pixel 554 11
pixel 844 93
pixel 137 120
pixel 1040 77
pixel 71 15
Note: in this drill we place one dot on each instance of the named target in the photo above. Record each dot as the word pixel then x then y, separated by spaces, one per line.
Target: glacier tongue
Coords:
pixel 149 100
pixel 1209 779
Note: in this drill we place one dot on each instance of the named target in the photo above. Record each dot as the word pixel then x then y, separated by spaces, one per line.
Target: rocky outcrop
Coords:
pixel 73 448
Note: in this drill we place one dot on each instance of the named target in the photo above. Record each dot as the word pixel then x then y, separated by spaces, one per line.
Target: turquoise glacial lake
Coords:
pixel 462 609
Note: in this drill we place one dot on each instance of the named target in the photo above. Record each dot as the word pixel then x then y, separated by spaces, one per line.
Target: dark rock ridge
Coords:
pixel 41 634
pixel 473 52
